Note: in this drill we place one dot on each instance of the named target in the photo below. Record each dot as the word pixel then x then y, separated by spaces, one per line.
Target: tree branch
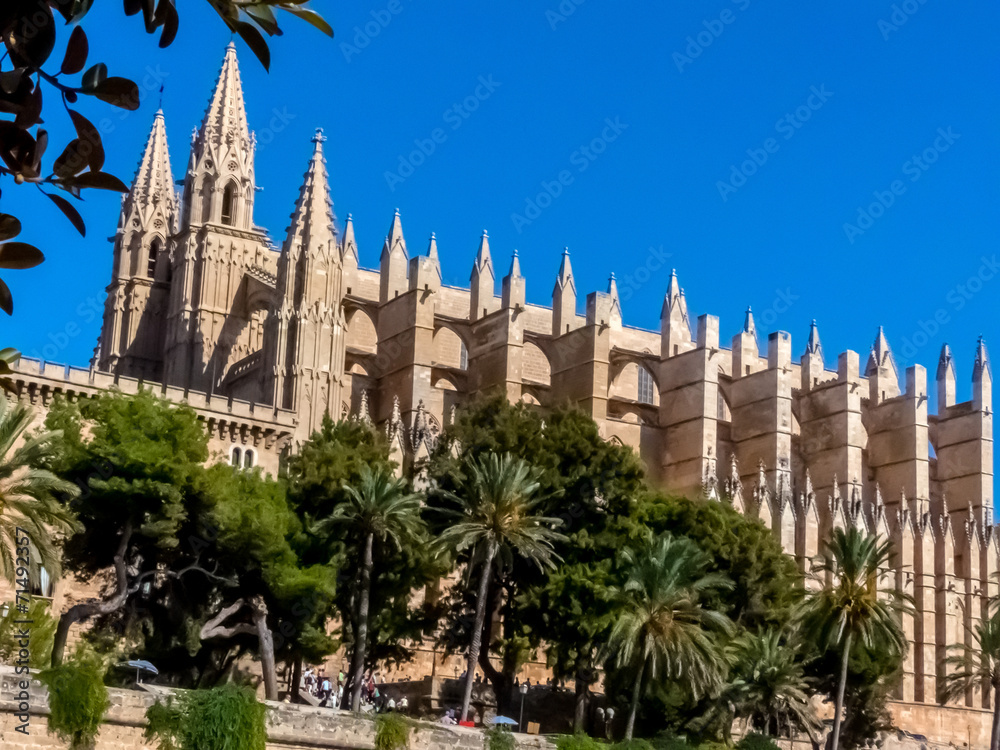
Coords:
pixel 96 607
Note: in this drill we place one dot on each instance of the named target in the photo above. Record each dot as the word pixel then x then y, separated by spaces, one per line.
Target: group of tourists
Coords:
pixel 374 697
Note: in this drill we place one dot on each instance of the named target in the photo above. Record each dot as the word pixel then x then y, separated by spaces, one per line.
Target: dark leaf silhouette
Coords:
pixel 77 49
pixel 19 255
pixel 71 213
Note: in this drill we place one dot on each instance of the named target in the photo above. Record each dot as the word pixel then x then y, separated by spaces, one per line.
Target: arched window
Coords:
pixel 229 204
pixel 463 357
pixel 248 459
pixel 237 457
pixel 154 251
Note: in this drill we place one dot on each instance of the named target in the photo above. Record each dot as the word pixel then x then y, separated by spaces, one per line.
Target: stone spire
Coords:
pixel 748 325
pixel 133 331
pixel 300 354
pixel 675 327
pixel 482 282
pixel 812 359
pixel 349 246
pixel 945 380
pixel 393 263
pixel 154 182
pixel 564 298
pixel 616 302
pixel 425 270
pixel 226 117
pixel 813 345
pixel 313 225
pixel 982 379
pixel 513 286
pixel 883 377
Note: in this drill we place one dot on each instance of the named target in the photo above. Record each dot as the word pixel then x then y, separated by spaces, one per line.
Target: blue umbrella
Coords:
pixel 504 720
pixel 139 665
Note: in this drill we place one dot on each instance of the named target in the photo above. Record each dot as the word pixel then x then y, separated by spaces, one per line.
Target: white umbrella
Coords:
pixel 504 720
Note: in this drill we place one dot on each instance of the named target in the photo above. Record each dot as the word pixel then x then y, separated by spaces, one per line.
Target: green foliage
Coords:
pixel 664 633
pixel 392 732
pixel 498 738
pixel 756 741
pixel 853 617
pixel 78 700
pixel 578 741
pixel 223 718
pixel 334 458
pixel 587 483
pixel 766 583
pixel 43 629
pixel 31 516
pixel 634 744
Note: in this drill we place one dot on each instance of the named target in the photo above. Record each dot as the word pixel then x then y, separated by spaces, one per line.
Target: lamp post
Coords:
pixel 524 692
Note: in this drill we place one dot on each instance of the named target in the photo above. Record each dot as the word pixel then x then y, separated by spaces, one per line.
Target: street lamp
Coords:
pixel 524 692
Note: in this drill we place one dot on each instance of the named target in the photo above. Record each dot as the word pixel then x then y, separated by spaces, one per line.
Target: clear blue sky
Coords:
pixel 886 92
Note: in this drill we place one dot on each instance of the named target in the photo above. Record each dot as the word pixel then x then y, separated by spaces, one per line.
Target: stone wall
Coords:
pixel 289 727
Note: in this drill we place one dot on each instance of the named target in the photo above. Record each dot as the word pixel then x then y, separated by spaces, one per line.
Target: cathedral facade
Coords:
pixel 265 341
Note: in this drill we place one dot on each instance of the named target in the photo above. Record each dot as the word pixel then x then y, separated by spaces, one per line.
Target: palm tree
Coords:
pixel 380 508
pixel 495 521
pixel 974 665
pixel 851 608
pixel 770 689
pixel 29 506
pixel 662 629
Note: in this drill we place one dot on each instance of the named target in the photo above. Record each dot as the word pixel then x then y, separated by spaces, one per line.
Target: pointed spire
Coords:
pixel 982 364
pixel 512 287
pixel 946 363
pixel 748 324
pixel 565 278
pixel 813 345
pixel 154 181
pixel 881 355
pixel 226 114
pixel 515 265
pixel 363 413
pixel 394 239
pixel 613 286
pixel 394 262
pixel 674 304
pixel 313 219
pixel 483 258
pixel 348 244
pixel 432 247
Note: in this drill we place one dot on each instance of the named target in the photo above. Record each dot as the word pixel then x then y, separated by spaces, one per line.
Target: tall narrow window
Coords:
pixel 206 200
pixel 228 203
pixel 463 357
pixel 645 386
pixel 248 459
pixel 237 456
pixel 154 251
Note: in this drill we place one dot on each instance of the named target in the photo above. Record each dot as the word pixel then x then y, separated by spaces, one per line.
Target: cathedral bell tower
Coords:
pixel 304 336
pixel 223 266
pixel 134 326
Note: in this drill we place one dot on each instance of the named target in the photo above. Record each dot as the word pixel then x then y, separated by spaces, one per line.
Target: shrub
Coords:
pixel 633 744
pixel 756 741
pixel 392 732
pixel 223 718
pixel 578 742
pixel 499 738
pixel 78 700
